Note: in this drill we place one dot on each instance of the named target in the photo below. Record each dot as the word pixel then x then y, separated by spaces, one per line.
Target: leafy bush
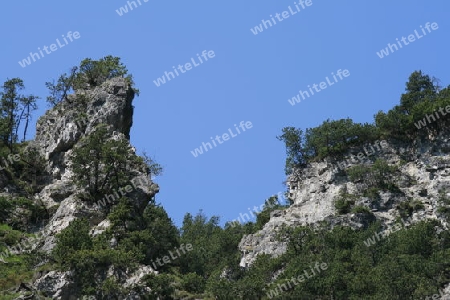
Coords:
pixel 378 175
pixel 193 283
pixel 101 164
pixel 354 270
pixel 89 74
pixel 9 236
pixel 20 212
pixel 406 208
pixel 344 202
pixel 373 193
pixel 333 138
pixel 72 239
pixel 358 173
pixel 263 217
pixel 361 209
pixel 95 72
pixel 161 285
pixel 89 257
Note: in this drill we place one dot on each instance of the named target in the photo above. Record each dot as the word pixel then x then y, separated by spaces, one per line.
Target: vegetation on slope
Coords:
pixel 360 264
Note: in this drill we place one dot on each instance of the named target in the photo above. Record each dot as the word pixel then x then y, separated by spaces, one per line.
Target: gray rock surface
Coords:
pixel 57 133
pixel 314 189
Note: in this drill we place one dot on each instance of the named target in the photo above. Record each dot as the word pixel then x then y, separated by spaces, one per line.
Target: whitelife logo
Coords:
pixel 284 15
pixel 167 260
pixel 224 136
pixel 323 85
pixel 124 9
pixel 422 123
pixel 187 66
pixel 411 38
pixel 53 47
pixel 286 286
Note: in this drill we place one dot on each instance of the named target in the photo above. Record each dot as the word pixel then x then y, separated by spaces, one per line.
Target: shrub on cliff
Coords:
pixel 89 74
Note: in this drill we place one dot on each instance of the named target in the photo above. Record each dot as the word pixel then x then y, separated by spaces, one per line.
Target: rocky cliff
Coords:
pixel 423 175
pixel 57 133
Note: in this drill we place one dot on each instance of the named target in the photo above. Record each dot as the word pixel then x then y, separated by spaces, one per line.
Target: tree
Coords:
pixel 263 217
pixel 58 91
pixel 14 107
pixel 73 238
pixel 101 163
pixel 152 168
pixel 420 87
pixel 89 74
pixel 9 107
pixel 204 235
pixel 295 153
pixel 33 166
pixel 93 73
pixel 27 104
pixel 334 137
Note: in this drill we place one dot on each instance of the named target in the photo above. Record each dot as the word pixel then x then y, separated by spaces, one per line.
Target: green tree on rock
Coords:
pixel 14 107
pixel 102 164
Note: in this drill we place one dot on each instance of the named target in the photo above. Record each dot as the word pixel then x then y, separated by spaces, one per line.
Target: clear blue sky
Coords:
pixel 250 78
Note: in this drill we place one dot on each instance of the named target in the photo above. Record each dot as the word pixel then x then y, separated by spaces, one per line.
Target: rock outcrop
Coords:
pixel 424 173
pixel 57 133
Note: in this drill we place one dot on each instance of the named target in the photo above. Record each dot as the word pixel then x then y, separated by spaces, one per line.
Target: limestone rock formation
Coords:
pixel 424 171
pixel 57 133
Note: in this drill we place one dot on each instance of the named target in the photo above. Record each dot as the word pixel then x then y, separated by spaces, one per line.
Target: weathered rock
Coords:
pixel 57 133
pixel 314 189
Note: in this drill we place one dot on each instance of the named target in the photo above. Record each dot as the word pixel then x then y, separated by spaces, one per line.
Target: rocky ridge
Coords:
pixel 424 169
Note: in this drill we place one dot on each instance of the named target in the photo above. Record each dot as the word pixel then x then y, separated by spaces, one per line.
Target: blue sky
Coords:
pixel 250 78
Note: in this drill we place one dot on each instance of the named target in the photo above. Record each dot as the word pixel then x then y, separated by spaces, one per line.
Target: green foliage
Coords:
pixel 444 198
pixel 20 212
pixel 333 138
pixel 373 193
pixel 358 172
pixel 101 164
pixel 18 269
pixel 151 166
pixel 204 236
pixel 148 237
pixel 14 107
pixel 193 283
pixel 361 209
pixel 419 88
pixel 9 237
pixel 89 74
pixel 295 154
pixel 406 208
pixel 15 268
pixel 378 175
pixel 161 286
pixel 422 97
pixel 444 205
pixel 404 265
pixel 263 217
pixel 72 239
pixel 89 257
pixel 30 171
pixel 344 202
pixel 5 209
pixel 93 73
pixel 60 89
pixel 111 289
pixel 215 252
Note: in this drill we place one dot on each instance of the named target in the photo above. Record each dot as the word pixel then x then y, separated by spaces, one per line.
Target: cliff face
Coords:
pixel 57 133
pixel 423 172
